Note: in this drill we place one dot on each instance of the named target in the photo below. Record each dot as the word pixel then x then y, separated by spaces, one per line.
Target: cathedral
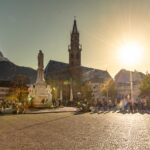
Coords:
pixel 64 76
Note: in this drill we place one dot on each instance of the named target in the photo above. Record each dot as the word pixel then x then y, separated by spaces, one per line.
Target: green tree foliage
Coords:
pixel 108 88
pixel 145 86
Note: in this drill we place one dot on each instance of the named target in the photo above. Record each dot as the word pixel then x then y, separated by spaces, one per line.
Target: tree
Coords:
pixel 18 94
pixel 86 91
pixel 85 97
pixel 145 86
pixel 108 88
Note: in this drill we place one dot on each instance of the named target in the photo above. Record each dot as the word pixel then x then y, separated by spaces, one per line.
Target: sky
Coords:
pixel 26 26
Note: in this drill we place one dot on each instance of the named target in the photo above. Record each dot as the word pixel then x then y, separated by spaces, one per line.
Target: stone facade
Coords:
pixel 75 53
pixel 123 81
pixel 65 75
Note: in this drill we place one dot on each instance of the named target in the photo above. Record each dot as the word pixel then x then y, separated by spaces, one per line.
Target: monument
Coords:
pixel 40 92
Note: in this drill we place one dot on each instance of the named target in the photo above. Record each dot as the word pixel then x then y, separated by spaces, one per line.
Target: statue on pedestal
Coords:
pixel 40 92
pixel 40 59
pixel 40 70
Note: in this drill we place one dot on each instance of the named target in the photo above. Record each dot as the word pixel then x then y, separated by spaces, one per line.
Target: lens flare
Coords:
pixel 130 53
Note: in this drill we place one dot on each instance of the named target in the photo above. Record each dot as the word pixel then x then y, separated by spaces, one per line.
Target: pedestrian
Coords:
pixel 142 104
pixel 145 105
pixel 125 104
pixel 99 104
pixel 105 105
pixel 130 105
pixel 109 104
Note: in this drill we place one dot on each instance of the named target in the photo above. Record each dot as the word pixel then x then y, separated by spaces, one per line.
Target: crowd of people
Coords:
pixel 125 105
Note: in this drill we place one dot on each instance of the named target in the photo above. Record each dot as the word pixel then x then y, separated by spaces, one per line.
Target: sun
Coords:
pixel 130 53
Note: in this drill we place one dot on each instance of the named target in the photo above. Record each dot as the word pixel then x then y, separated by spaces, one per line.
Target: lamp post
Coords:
pixel 131 87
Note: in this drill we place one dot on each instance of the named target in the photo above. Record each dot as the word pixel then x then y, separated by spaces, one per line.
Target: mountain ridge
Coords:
pixel 8 70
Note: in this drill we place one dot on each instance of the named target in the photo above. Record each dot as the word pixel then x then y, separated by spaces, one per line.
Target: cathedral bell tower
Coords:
pixel 74 52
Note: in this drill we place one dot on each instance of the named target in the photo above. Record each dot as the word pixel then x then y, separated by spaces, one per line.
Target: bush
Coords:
pixel 83 106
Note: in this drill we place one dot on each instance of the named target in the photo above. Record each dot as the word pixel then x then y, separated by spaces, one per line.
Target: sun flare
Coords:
pixel 130 53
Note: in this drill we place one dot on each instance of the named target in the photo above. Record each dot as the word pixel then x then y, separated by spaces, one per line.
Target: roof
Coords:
pixel 123 76
pixel 59 70
pixel 94 74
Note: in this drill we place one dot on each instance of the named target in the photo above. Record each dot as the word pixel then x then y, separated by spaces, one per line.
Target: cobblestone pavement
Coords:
pixel 66 131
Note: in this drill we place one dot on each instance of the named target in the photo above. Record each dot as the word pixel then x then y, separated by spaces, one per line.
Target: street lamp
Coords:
pixel 131 87
pixel 130 53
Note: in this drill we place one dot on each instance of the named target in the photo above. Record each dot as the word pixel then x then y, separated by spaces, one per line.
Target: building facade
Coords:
pixel 74 50
pixel 4 89
pixel 123 83
pixel 66 76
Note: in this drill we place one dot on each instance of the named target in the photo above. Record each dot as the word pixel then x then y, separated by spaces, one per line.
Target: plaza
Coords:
pixel 69 131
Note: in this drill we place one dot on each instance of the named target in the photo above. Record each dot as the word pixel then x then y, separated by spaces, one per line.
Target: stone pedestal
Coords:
pixel 40 93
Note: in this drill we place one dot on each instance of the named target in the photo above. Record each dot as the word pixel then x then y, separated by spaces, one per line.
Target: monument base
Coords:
pixel 40 93
pixel 41 96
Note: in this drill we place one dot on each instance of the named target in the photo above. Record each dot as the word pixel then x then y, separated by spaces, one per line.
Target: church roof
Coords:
pixel 59 70
pixel 55 70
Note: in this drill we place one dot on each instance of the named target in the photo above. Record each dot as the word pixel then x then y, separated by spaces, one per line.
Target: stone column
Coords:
pixel 40 70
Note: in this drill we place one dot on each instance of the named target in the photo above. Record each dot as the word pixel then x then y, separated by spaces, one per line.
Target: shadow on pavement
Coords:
pixel 44 122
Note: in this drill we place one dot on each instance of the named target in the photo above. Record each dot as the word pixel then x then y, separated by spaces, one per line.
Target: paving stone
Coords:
pixel 67 131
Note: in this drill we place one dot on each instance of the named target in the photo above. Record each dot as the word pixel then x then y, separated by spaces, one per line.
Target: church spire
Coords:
pixel 75 30
pixel 74 47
